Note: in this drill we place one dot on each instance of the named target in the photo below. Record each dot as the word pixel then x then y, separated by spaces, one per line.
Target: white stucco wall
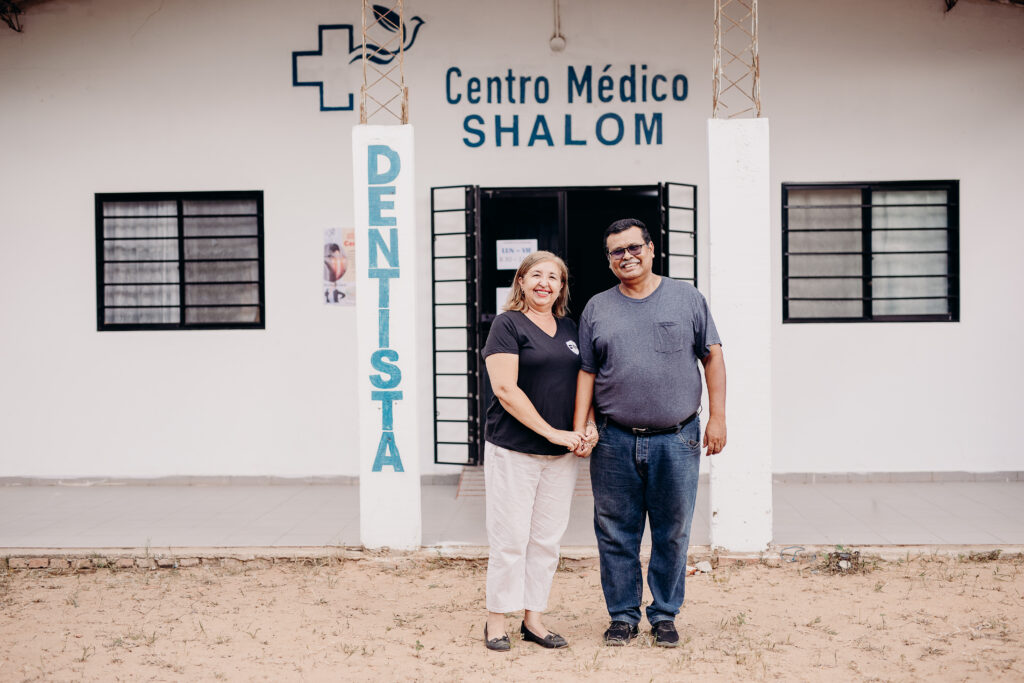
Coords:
pixel 902 91
pixel 118 96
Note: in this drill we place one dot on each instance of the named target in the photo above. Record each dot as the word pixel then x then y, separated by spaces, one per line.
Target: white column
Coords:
pixel 385 228
pixel 740 298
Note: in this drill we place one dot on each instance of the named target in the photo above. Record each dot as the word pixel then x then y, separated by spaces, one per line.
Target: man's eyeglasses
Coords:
pixel 633 249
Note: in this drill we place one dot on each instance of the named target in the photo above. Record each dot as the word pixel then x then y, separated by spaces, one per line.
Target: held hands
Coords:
pixel 589 440
pixel 571 440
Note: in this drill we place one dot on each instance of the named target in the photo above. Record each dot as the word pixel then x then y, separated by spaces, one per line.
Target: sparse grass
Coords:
pixel 846 561
pixel 5 586
pixel 989 556
pixel 816 623
pixel 922 617
pixel 593 664
pixel 140 637
pixel 470 564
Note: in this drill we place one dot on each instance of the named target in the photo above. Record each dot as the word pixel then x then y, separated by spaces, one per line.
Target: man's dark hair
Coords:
pixel 623 225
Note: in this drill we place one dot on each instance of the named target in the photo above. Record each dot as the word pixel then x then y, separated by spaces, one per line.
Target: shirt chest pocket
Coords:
pixel 668 336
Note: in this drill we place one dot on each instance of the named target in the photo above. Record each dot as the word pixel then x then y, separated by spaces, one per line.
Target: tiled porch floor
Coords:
pixel 112 516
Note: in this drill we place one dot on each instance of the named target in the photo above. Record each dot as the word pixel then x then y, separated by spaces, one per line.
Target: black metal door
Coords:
pixel 455 296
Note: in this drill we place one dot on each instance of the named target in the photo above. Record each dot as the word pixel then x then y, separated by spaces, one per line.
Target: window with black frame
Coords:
pixel 871 252
pixel 191 260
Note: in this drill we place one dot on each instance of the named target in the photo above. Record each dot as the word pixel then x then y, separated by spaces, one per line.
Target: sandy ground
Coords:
pixel 395 618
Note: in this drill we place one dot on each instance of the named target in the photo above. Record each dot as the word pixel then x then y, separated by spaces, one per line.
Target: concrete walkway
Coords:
pixel 290 515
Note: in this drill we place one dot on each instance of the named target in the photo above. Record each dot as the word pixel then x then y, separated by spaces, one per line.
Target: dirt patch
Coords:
pixel 422 619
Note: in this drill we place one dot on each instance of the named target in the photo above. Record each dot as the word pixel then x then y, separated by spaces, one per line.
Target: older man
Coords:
pixel 640 342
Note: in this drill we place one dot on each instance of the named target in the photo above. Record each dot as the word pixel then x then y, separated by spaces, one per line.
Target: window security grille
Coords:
pixel 179 260
pixel 870 252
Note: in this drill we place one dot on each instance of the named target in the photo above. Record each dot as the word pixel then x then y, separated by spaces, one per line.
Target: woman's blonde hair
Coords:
pixel 517 299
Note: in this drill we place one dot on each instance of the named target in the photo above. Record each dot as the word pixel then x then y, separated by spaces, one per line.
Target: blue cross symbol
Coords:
pixel 327 68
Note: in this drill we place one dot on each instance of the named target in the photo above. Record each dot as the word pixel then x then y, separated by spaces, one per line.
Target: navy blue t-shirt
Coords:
pixel 548 367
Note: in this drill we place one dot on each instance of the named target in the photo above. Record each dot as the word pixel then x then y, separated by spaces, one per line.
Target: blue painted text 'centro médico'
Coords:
pixel 383 265
pixel 634 85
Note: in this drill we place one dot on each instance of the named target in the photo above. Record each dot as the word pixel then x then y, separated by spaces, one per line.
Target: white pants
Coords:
pixel 528 501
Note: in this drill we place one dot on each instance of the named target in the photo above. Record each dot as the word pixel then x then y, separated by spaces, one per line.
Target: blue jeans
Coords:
pixel 635 477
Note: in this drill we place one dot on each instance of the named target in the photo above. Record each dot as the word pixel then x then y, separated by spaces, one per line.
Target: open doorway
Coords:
pixel 470 226
pixel 566 221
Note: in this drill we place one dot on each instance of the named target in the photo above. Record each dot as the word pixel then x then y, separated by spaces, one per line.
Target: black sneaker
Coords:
pixel 665 634
pixel 620 633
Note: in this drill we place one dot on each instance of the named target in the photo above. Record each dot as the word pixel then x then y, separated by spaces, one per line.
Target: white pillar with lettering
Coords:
pixel 740 299
pixel 385 230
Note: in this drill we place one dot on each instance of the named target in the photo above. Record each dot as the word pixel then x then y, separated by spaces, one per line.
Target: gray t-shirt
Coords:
pixel 645 352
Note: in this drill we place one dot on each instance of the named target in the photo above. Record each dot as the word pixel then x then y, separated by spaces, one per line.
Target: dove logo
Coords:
pixel 329 67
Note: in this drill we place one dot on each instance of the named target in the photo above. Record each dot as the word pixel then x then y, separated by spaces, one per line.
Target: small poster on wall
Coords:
pixel 500 297
pixel 512 252
pixel 339 266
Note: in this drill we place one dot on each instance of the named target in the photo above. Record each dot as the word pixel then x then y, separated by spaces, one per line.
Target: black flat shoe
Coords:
pixel 551 640
pixel 502 644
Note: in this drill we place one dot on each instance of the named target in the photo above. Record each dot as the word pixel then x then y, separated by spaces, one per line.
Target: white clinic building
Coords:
pixel 171 171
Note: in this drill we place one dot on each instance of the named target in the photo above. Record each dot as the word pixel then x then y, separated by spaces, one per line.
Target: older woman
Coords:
pixel 530 454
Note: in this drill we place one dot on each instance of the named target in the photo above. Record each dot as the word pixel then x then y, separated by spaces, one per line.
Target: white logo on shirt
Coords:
pixel 572 347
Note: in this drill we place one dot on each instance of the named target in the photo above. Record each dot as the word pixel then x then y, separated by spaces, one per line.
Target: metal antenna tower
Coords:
pixel 737 82
pixel 383 93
